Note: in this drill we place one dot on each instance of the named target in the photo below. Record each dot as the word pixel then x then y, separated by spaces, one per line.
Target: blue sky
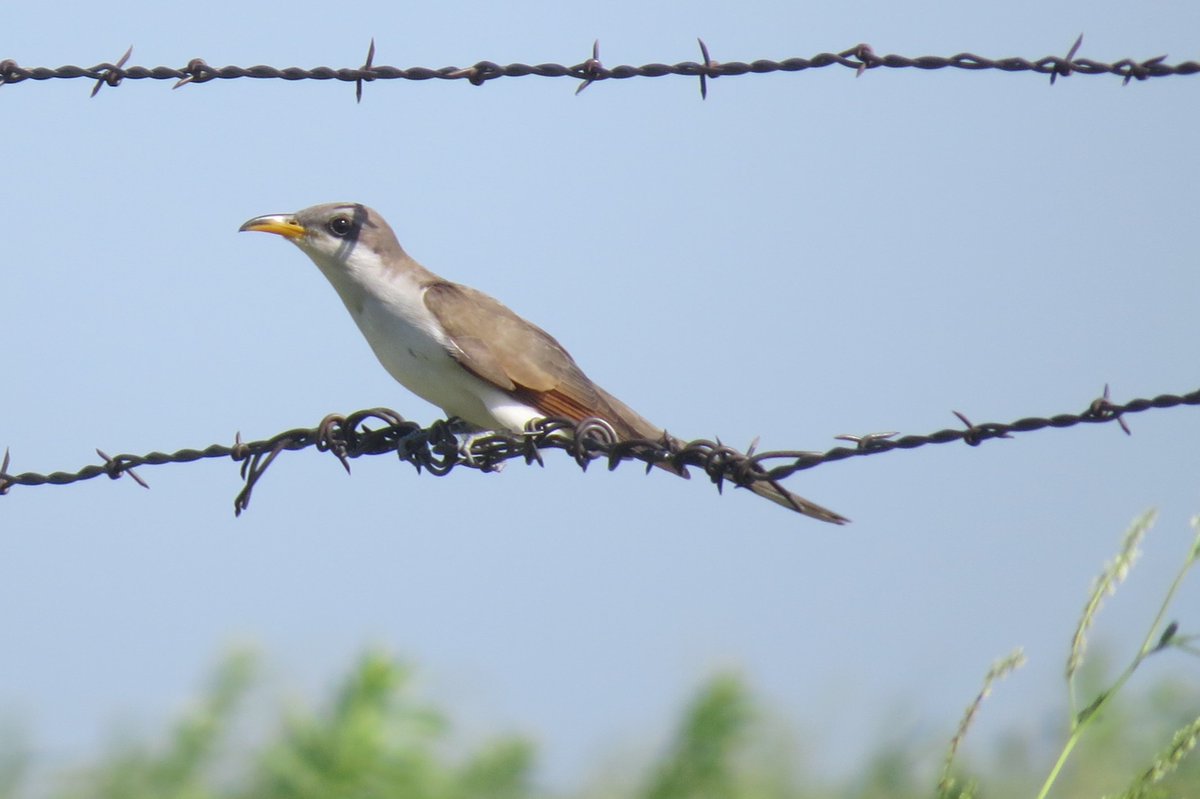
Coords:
pixel 802 255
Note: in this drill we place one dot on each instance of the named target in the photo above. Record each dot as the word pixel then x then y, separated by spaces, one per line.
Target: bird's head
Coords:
pixel 337 236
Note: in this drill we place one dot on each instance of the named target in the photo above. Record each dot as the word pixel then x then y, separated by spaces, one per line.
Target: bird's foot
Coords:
pixel 472 449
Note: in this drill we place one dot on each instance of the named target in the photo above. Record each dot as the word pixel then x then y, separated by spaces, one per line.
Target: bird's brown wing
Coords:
pixel 518 357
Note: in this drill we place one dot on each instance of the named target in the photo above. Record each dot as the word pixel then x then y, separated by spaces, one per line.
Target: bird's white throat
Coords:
pixel 387 303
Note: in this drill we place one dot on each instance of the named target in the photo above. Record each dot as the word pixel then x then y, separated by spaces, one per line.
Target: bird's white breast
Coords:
pixel 389 307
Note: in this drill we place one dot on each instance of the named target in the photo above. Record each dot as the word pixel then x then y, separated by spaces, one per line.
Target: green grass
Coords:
pixel 375 739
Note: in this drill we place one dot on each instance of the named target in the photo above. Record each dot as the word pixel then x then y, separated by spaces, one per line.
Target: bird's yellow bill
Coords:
pixel 275 223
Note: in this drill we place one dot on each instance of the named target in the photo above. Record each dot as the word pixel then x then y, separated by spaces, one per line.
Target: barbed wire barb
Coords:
pixel 866 58
pixel 366 68
pixel 1064 67
pixel 440 448
pixel 860 58
pixel 111 73
pixel 1102 408
pixel 591 68
pixel 710 68
pixel 114 468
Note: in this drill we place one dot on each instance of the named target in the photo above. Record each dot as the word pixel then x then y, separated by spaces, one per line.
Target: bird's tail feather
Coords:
pixel 631 424
pixel 781 496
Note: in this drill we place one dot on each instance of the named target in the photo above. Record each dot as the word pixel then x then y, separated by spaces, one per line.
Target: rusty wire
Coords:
pixel 439 448
pixel 860 58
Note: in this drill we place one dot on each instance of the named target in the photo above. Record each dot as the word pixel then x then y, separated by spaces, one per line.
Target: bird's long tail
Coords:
pixel 631 424
pixel 768 489
pixel 781 496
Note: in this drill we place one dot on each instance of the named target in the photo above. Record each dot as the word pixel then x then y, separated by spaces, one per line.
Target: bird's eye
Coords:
pixel 340 226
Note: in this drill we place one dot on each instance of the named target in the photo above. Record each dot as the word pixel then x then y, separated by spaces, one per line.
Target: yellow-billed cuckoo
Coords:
pixel 457 347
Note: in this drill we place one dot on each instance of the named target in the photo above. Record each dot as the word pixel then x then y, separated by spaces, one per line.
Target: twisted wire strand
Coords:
pixel 860 58
pixel 440 448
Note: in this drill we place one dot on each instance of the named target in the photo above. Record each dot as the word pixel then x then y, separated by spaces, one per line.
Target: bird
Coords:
pixel 459 348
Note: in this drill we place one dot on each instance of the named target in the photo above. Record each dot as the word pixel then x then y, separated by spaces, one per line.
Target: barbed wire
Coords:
pixel 441 447
pixel 860 58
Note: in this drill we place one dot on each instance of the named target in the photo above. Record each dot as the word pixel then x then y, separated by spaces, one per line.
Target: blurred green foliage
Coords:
pixel 373 739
